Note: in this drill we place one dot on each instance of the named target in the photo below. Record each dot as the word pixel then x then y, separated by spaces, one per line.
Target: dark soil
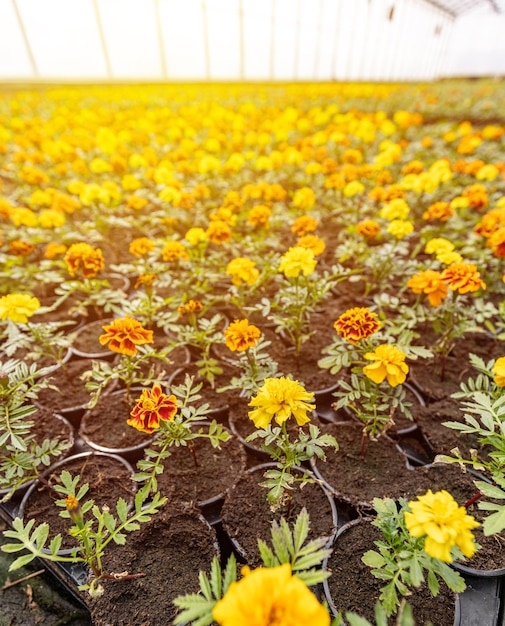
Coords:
pixel 381 473
pixel 216 472
pixel 169 550
pixel 108 480
pixel 352 587
pixel 247 515
pixel 86 342
pixel 48 425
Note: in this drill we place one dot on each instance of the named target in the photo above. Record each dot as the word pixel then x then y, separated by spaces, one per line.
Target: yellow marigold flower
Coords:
pixel 218 232
pixel 51 218
pixel 312 242
pixel 71 503
pixel 100 166
pixel 297 260
pixel 304 198
pixel 488 172
pixel 388 363
pixel 267 597
pixel 240 336
pixel 195 236
pixel 21 216
pixel 400 228
pixel 242 271
pixel 429 282
pixel 83 258
pixel 129 182
pixel 54 249
pixel 441 211
pixel 357 323
pixel 141 246
pixel 445 524
pixel 396 209
pixel 124 335
pixel 136 202
pixel 279 399
pixel 150 408
pixel 173 251
pixel 18 307
pixel 368 229
pixel 353 188
pixel 259 216
pixel 448 256
pixel 21 248
pixel 499 371
pixel 463 277
pixel 303 225
pixel 438 244
pixel 459 202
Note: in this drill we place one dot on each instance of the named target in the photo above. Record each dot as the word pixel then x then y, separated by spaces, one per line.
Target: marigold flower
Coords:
pixel 312 242
pixel 429 282
pixel 191 306
pixel 353 188
pixel 441 211
pixel 356 324
pixel 463 277
pixel 496 242
pixel 21 216
pixel 368 229
pixel 242 270
pixel 388 363
pixel 83 258
pixel 438 244
pixel 268 596
pixel 279 399
pixel 303 225
pixel 152 406
pixel 141 246
pixel 397 209
pixel 447 257
pixel 136 202
pixel 304 198
pixel 445 524
pixel 18 307
pixel 499 371
pixel 145 279
pixel 54 249
pixel 173 251
pixel 124 335
pixel 218 232
pixel 21 248
pixel 259 216
pixel 51 218
pixel 400 228
pixel 297 260
pixel 195 236
pixel 240 335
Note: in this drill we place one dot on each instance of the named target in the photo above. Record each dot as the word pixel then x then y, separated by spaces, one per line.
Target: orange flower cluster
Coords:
pixel 440 211
pixel 369 229
pixel 356 324
pixel 463 278
pixel 152 407
pixel 191 307
pixel 429 282
pixel 124 335
pixel 240 336
pixel 84 259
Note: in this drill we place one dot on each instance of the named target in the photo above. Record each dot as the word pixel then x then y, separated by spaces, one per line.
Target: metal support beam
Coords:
pixel 206 39
pixel 101 35
pixel 29 50
pixel 242 36
pixel 161 42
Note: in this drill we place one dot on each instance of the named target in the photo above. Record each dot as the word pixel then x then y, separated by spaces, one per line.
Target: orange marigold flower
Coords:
pixel 21 248
pixel 136 202
pixel 54 249
pixel 441 211
pixel 497 242
pixel 357 323
pixel 145 279
pixel 312 242
pixel 218 232
pixel 477 196
pixel 463 277
pixel 259 216
pixel 141 246
pixel 491 221
pixel 173 251
pixel 368 229
pixel 150 408
pixel 429 282
pixel 83 258
pixel 240 336
pixel 303 225
pixel 191 306
pixel 124 335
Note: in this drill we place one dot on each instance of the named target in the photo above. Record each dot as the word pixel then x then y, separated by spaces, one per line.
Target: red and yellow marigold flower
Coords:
pixel 146 280
pixel 124 335
pixel 240 336
pixel 430 283
pixel 17 247
pixel 356 324
pixel 152 407
pixel 84 259
pixel 444 523
pixel 190 308
pixel 18 307
pixel 269 596
pixel 388 363
pixel 279 399
pixel 463 278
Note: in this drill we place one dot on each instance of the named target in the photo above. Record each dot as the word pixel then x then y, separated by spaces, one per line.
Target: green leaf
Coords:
pixel 122 510
pixel 494 523
pixel 373 559
pixel 21 561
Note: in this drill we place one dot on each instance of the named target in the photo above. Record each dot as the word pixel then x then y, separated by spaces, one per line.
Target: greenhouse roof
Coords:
pixel 459 7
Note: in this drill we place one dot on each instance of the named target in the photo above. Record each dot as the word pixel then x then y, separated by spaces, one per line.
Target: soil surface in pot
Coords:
pixel 354 588
pixel 247 515
pixel 381 473
pixel 169 550
pixel 108 481
pixel 87 339
pixel 71 391
pixel 106 425
pixel 460 485
pixel 48 425
pixel 216 471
